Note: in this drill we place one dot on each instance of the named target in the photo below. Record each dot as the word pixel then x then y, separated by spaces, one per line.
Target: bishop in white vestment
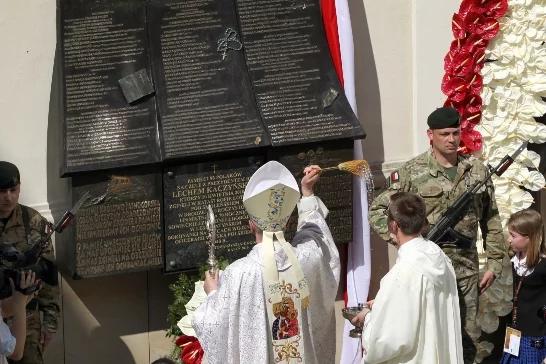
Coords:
pixel 276 305
pixel 415 314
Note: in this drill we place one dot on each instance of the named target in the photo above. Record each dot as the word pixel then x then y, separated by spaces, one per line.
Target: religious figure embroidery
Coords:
pixel 286 323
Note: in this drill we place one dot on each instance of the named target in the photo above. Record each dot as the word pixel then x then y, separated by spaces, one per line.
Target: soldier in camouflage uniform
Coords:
pixel 23 227
pixel 440 176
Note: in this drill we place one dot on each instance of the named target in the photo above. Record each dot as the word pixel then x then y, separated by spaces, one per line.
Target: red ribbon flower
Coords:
pixel 191 351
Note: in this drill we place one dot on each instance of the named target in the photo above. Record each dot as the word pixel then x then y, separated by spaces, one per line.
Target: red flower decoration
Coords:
pixel 473 43
pixel 471 141
pixel 459 63
pixel 459 88
pixel 471 105
pixel 473 26
pixel 488 28
pixel 457 26
pixel 191 351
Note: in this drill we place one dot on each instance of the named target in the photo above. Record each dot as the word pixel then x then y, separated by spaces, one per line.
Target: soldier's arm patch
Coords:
pixel 394 178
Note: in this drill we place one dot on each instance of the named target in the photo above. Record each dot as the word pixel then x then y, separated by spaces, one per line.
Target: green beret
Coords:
pixel 443 117
pixel 9 175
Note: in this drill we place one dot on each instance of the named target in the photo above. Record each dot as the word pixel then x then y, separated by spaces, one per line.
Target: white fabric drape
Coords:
pixel 358 261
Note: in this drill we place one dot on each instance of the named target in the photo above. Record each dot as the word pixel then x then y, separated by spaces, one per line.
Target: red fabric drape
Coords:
pixel 329 19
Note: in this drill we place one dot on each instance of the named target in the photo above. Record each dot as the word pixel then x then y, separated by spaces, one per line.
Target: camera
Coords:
pixel 45 270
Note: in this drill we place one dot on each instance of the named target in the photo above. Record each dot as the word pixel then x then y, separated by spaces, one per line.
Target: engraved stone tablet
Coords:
pixel 119 228
pixel 297 91
pixel 205 98
pixel 335 188
pixel 188 189
pixel 103 42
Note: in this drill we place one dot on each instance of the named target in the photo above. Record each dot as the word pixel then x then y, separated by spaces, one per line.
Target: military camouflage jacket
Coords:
pixel 424 176
pixel 14 232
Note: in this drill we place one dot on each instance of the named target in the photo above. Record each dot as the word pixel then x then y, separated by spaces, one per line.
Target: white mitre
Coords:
pixel 270 196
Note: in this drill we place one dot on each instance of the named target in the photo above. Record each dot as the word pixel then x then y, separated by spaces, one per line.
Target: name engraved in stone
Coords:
pixel 118 237
pixel 186 198
pixel 101 44
pixel 206 104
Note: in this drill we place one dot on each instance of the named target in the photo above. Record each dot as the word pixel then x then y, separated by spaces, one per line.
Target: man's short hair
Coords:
pixel 9 175
pixel 409 211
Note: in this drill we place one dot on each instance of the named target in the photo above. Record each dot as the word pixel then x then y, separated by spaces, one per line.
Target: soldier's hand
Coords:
pixel 487 281
pixel 310 178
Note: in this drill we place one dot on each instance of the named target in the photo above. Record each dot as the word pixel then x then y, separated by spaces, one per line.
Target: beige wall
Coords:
pixel 399 48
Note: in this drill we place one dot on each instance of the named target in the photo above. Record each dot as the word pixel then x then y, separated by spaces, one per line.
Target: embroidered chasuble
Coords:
pixel 276 305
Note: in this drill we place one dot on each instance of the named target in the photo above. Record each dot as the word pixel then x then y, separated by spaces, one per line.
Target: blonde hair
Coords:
pixel 529 223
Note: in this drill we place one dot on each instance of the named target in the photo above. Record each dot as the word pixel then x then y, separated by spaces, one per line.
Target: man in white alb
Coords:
pixel 415 316
pixel 276 305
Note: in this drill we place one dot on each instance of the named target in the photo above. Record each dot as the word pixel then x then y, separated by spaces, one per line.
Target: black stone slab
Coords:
pixel 119 229
pixel 335 188
pixel 205 99
pixel 188 189
pixel 103 42
pixel 294 82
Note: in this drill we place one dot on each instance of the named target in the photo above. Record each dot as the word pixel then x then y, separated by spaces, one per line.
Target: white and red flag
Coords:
pixel 337 25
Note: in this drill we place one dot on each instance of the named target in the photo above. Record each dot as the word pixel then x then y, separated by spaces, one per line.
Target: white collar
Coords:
pixel 410 244
pixel 520 265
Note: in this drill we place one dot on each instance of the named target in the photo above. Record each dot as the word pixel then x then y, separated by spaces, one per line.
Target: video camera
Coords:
pixel 32 259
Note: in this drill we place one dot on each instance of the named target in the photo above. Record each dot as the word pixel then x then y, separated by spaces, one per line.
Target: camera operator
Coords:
pixel 13 337
pixel 21 227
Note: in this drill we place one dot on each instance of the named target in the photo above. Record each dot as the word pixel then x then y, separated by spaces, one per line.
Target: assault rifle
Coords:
pixel 32 255
pixel 455 212
pixel 30 259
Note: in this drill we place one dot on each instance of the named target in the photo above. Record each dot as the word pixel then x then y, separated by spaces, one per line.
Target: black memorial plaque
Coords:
pixel 104 42
pixel 295 85
pixel 188 189
pixel 119 229
pixel 335 188
pixel 202 80
pixel 205 99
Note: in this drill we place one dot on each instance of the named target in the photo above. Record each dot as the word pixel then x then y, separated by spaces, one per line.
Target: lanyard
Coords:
pixel 515 301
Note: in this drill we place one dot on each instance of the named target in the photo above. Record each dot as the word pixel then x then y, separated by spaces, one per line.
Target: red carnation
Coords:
pixel 191 351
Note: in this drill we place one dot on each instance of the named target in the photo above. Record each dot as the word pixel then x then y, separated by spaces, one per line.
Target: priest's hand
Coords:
pixel 487 281
pixel 358 320
pixel 310 178
pixel 211 281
